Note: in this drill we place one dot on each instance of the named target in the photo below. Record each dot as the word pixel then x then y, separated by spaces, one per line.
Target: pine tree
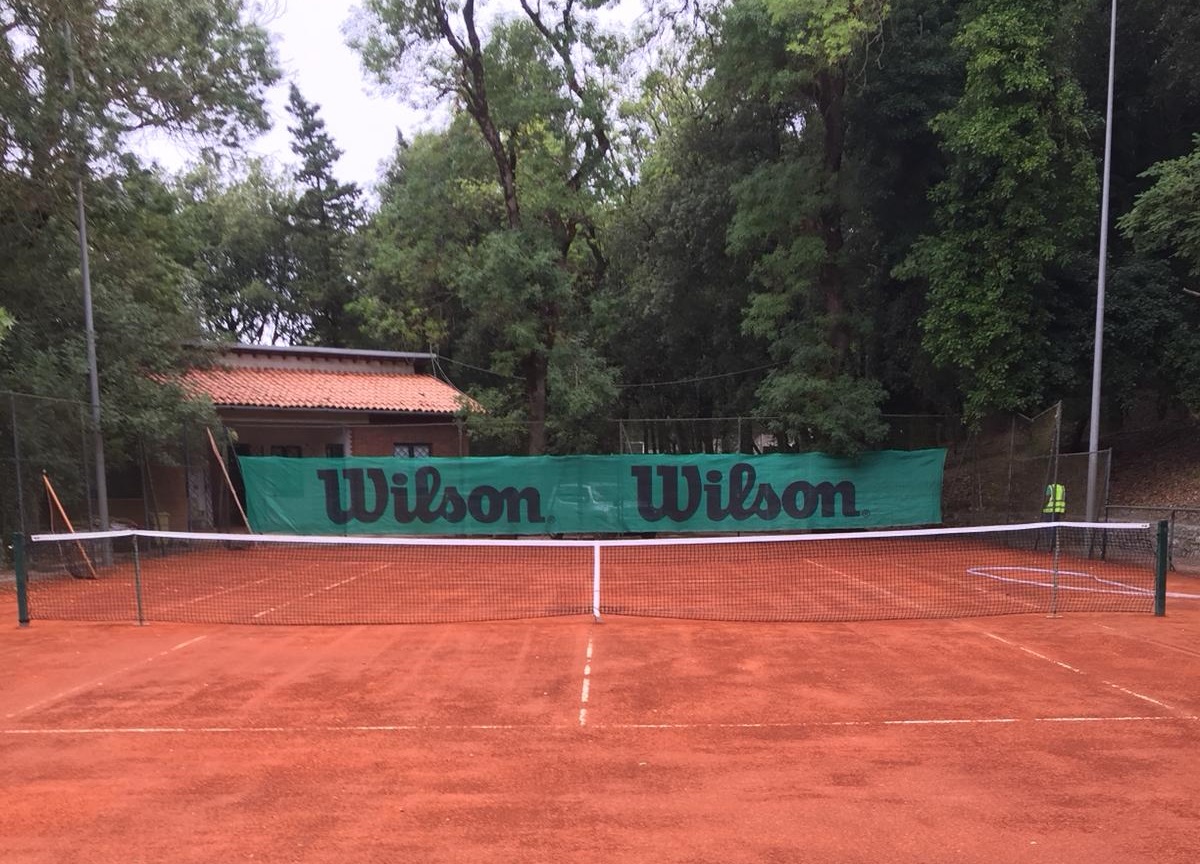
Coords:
pixel 325 216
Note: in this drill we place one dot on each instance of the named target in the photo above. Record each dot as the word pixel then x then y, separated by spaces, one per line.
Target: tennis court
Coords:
pixel 1021 738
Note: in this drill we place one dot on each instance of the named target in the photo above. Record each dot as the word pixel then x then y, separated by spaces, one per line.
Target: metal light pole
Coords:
pixel 88 319
pixel 1097 355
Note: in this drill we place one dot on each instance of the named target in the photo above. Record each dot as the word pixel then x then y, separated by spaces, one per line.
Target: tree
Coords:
pixel 546 129
pixel 194 67
pixel 6 323
pixel 323 220
pixel 441 271
pixel 674 296
pixel 1164 218
pixel 236 243
pixel 1163 224
pixel 1016 207
pixel 788 67
pixel 893 162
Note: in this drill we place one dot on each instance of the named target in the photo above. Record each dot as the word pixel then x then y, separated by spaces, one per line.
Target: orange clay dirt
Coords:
pixel 1005 739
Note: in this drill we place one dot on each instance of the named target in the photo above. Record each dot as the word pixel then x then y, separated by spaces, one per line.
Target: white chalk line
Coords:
pixel 1056 581
pixel 99 681
pixel 904 601
pixel 1143 697
pixel 587 679
pixel 616 727
pixel 317 591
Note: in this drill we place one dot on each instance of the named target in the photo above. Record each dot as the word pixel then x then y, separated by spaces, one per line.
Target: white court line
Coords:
pixel 902 600
pixel 915 722
pixel 973 586
pixel 219 593
pixel 318 591
pixel 98 681
pixel 587 678
pixel 303 597
pixel 1077 671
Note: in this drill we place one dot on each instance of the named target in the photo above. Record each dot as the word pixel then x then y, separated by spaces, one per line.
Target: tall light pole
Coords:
pixel 88 318
pixel 1098 352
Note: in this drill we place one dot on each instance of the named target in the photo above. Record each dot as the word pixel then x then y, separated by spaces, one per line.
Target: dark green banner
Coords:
pixel 592 494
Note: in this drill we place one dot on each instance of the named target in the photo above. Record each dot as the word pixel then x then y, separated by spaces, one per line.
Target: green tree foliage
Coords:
pixel 1017 204
pixel 236 240
pixel 545 125
pixel 1157 87
pixel 435 203
pixel 323 221
pixel 789 67
pixel 674 307
pixel 1165 218
pixel 441 271
pixel 815 210
pixel 894 159
pixel 1164 224
pixel 76 78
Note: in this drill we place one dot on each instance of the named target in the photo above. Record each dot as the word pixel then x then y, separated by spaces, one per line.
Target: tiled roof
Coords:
pixel 229 386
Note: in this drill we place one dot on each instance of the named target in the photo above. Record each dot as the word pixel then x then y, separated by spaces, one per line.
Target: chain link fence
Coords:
pixel 47 471
pixel 759 434
pixel 43 439
pixel 1183 523
pixel 996 474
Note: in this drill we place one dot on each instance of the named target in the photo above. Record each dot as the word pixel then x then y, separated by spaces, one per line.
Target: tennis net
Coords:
pixel 270 579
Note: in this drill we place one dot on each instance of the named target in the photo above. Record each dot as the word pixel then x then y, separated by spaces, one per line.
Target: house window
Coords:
pixel 291 451
pixel 335 451
pixel 412 451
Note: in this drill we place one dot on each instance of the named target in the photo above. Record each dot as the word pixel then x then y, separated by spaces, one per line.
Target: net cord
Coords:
pixel 707 540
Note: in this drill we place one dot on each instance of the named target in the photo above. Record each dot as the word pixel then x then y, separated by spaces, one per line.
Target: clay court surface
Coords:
pixel 1014 738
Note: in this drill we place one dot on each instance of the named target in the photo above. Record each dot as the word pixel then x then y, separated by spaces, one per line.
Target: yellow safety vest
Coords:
pixel 1056 498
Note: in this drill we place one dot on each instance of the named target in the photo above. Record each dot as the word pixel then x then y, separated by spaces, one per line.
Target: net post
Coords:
pixel 137 582
pixel 1056 553
pixel 22 579
pixel 596 581
pixel 1160 568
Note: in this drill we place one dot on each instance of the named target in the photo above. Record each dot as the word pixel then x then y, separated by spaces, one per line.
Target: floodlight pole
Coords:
pixel 88 317
pixel 1097 355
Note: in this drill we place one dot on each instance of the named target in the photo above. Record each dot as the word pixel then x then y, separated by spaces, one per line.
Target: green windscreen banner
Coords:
pixel 592 494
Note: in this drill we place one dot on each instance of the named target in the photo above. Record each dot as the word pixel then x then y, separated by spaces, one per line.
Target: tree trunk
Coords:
pixel 535 369
pixel 831 94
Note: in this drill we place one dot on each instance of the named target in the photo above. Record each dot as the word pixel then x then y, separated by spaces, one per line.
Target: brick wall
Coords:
pixel 312 442
pixel 443 438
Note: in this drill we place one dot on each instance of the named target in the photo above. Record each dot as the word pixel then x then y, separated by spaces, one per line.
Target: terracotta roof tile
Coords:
pixel 313 388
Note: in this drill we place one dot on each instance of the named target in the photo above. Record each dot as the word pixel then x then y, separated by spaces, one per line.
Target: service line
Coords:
pixel 434 728
pixel 99 681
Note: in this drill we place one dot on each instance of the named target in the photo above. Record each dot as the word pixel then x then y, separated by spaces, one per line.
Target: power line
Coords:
pixel 481 369
pixel 694 380
pixel 699 378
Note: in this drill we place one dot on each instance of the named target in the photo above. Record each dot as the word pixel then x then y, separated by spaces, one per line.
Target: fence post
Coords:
pixel 1171 542
pixel 12 405
pixel 1160 568
pixel 22 579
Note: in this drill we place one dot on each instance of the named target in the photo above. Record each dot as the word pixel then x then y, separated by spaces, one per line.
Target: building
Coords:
pixel 301 402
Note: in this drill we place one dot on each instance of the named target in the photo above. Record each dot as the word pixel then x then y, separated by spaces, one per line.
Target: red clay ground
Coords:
pixel 1006 739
